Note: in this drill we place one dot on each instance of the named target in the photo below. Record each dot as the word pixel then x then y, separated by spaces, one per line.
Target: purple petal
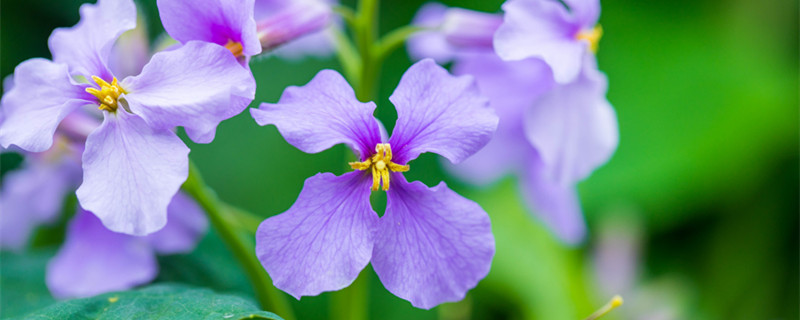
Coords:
pixel 432 245
pixel 196 86
pixel 430 43
pixel 586 12
pixel 293 21
pixel 543 29
pixel 94 260
pixel 33 194
pixel 555 204
pixel 29 122
pixel 321 114
pixel 131 172
pixel 186 225
pixel 511 86
pixel 86 46
pixel 324 240
pixel 573 127
pixel 215 21
pixel 441 113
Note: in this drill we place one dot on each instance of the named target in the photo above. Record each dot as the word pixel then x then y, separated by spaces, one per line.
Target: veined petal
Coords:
pixel 321 114
pixel 573 127
pixel 441 113
pixel 543 29
pixel 42 95
pixel 432 245
pixel 215 21
pixel 186 225
pixel 324 240
pixel 196 86
pixel 95 260
pixel 555 204
pixel 131 172
pixel 86 46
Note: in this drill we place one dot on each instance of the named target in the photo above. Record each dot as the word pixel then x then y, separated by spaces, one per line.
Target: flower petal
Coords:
pixel 543 29
pixel 186 225
pixel 196 86
pixel 215 21
pixel 94 260
pixel 556 205
pixel 432 245
pixel 33 195
pixel 586 12
pixel 86 46
pixel 130 173
pixel 430 43
pixel 441 113
pixel 573 127
pixel 130 53
pixel 324 240
pixel 42 95
pixel 321 114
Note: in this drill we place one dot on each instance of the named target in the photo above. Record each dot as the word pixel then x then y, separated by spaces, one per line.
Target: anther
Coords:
pixel 380 164
pixel 591 36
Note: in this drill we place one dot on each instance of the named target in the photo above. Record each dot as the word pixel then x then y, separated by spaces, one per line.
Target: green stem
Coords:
pixel 243 250
pixel 365 34
pixel 351 303
pixel 393 40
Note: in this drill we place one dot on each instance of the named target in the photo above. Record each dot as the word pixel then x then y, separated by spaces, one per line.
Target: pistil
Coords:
pixel 380 164
pixel 108 94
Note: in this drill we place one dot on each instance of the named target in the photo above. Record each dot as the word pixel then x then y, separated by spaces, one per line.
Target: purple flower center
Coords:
pixel 381 164
pixel 108 94
pixel 235 48
pixel 592 36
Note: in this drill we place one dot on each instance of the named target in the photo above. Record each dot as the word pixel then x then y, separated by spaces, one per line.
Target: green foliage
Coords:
pixel 163 301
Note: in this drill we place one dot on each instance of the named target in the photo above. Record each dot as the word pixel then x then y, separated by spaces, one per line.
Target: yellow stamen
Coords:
pixel 616 301
pixel 235 48
pixel 380 164
pixel 592 36
pixel 108 94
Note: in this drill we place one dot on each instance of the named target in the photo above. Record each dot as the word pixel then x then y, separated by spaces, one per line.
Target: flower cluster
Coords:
pixel 536 63
pixel 102 117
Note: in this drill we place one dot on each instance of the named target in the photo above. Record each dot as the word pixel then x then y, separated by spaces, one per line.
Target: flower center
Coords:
pixel 592 36
pixel 235 48
pixel 108 93
pixel 381 164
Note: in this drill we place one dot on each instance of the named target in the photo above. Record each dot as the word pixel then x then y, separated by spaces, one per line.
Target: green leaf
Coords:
pixel 163 301
pixel 22 282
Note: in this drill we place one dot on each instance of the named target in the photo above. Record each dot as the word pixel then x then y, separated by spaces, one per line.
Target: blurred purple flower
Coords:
pixel 133 162
pixel 450 32
pixel 95 260
pixel 546 29
pixel 551 135
pixel 431 245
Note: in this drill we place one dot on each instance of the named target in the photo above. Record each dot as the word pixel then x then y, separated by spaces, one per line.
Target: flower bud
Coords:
pixel 297 19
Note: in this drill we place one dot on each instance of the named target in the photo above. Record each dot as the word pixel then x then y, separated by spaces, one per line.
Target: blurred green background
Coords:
pixel 695 216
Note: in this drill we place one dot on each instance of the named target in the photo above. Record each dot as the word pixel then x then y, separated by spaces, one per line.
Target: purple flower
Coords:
pixel 243 27
pixel 282 22
pixel 548 30
pixel 431 245
pixel 95 260
pixel 452 32
pixel 550 135
pixel 133 162
pixel 32 195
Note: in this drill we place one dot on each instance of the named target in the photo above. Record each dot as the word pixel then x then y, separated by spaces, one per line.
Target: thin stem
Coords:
pixel 615 302
pixel 268 296
pixel 348 57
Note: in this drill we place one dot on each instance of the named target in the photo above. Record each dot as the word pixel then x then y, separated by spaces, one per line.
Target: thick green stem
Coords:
pixel 365 34
pixel 351 303
pixel 243 250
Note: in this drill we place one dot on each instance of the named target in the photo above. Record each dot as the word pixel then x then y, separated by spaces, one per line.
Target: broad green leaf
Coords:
pixel 22 282
pixel 163 301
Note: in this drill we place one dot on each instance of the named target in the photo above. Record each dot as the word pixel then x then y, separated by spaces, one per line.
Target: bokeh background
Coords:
pixel 694 217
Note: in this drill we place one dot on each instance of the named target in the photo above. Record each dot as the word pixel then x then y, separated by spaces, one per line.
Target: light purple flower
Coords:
pixel 133 162
pixel 95 260
pixel 283 22
pixel 550 135
pixel 32 195
pixel 451 32
pixel 431 245
pixel 546 29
